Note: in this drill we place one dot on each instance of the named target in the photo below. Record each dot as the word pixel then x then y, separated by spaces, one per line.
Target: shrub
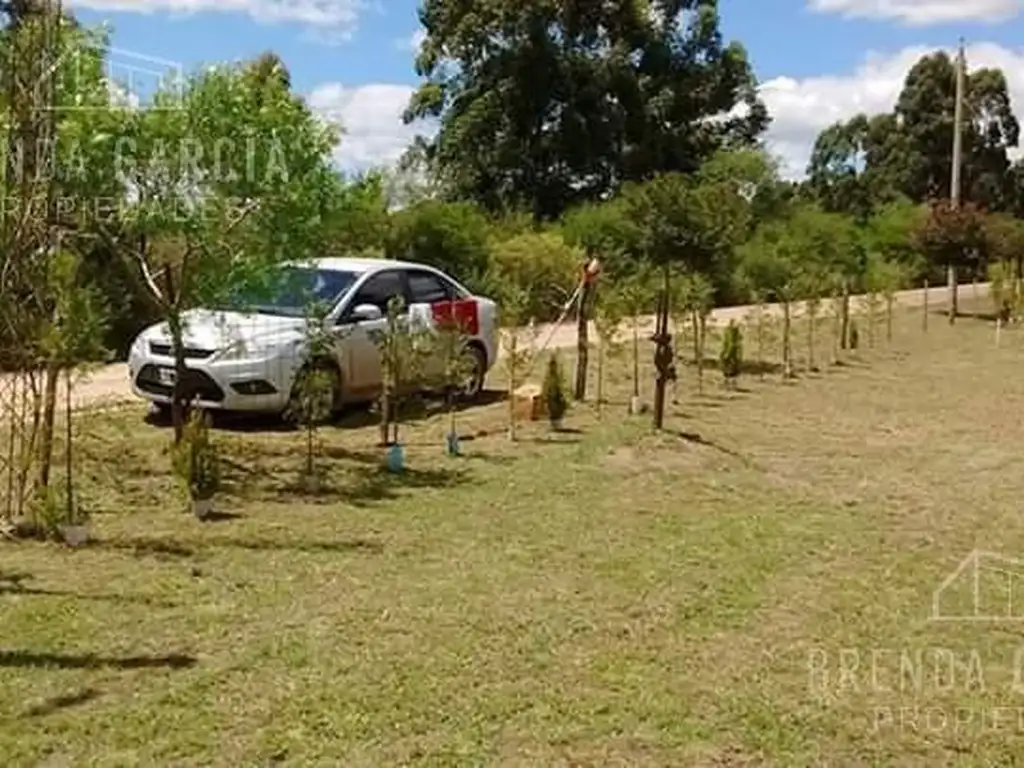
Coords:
pixel 540 265
pixel 731 356
pixel 196 462
pixel 450 236
pixel 553 391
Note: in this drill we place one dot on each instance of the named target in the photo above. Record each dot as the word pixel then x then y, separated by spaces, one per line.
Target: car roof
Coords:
pixel 360 265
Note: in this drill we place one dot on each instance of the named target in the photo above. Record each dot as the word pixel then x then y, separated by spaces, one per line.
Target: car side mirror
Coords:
pixel 364 312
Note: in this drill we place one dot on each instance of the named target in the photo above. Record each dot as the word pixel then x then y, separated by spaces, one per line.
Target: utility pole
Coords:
pixel 954 191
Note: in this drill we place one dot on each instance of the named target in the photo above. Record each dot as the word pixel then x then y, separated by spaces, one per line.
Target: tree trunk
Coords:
pixel 812 316
pixel 582 340
pixel 844 335
pixel 45 457
pixel 636 356
pixel 697 352
pixel 871 321
pixel 512 352
pixel 954 297
pixel 760 341
pixel 68 454
pixel 888 318
pixel 924 316
pixel 600 379
pixel 787 356
pixel 178 391
pixel 836 313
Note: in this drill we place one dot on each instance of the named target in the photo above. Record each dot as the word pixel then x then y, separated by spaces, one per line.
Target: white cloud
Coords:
pixel 801 108
pixel 922 12
pixel 329 18
pixel 412 42
pixel 371 116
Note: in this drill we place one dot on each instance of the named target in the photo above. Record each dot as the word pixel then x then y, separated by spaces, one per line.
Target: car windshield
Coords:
pixel 296 289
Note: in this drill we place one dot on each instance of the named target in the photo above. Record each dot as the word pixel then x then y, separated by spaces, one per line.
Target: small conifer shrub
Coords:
pixel 731 355
pixel 553 392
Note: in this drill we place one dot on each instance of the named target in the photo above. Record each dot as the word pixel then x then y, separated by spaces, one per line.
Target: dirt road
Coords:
pixel 109 385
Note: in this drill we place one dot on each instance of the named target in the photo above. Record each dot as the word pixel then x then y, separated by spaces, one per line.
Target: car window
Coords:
pixel 378 290
pixel 428 288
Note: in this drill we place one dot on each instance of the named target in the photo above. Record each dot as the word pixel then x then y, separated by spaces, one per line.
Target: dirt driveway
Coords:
pixel 109 385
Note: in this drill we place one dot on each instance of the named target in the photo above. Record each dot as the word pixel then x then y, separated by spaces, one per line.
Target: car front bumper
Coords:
pixel 229 385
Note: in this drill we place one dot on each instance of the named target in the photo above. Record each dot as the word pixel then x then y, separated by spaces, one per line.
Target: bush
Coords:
pixel 452 237
pixel 731 356
pixel 539 264
pixel 196 462
pixel 553 391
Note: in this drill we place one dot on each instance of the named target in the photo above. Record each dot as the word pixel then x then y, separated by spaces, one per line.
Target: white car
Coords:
pixel 251 361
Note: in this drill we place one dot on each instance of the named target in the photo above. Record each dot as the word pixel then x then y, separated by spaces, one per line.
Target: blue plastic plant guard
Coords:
pixel 452 444
pixel 395 458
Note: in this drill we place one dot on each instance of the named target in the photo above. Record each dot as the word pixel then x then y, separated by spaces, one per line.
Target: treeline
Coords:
pixel 631 133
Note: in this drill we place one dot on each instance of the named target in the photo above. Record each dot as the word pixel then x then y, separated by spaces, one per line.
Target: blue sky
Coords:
pixel 817 60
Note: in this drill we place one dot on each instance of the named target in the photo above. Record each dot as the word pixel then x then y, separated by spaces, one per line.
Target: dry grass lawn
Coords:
pixel 752 587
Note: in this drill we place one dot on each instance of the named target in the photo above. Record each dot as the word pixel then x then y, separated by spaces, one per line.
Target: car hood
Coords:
pixel 215 330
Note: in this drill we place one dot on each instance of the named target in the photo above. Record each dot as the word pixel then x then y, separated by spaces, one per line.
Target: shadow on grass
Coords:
pixel 32 659
pixel 142 547
pixel 16 587
pixel 988 317
pixel 355 416
pixel 698 439
pixel 221 517
pixel 57 703
pixel 334 547
pixel 382 485
pixel 713 365
pixel 148 547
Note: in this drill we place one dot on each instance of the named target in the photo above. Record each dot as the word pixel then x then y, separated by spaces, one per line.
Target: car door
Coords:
pixel 426 289
pixel 362 360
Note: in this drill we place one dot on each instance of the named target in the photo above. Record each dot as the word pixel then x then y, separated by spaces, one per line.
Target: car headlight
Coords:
pixel 254 350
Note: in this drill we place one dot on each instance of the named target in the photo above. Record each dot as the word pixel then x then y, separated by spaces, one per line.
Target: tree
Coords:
pixel 356 219
pixel 605 230
pixel 452 237
pixel 771 263
pixel 450 346
pixel 542 265
pixel 867 161
pixel 854 166
pixel 688 222
pixel 694 297
pixel 516 358
pixel 226 184
pixel 951 235
pixel 72 339
pixel 315 388
pixel 609 314
pixel 1004 238
pixel 542 105
pixel 883 280
pixel 637 293
pixel 404 349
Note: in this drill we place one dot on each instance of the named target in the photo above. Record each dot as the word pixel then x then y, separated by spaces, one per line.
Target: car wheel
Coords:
pixel 476 367
pixel 324 401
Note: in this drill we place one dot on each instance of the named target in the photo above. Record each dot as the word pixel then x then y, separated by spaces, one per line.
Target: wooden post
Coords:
pixel 586 300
